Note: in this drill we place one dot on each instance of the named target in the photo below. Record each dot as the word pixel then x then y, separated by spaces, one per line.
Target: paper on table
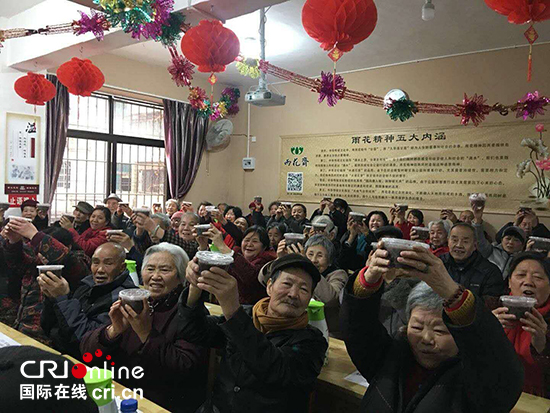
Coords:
pixel 6 341
pixel 356 378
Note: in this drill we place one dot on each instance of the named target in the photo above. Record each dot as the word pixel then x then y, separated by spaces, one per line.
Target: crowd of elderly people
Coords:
pixel 430 328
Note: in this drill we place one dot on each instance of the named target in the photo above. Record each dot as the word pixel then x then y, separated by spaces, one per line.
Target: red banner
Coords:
pixel 17 199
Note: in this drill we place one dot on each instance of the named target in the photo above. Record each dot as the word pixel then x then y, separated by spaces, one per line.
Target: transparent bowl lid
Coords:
pixel 50 267
pixel 403 243
pixel 214 258
pixel 294 235
pixel 134 294
pixel 518 300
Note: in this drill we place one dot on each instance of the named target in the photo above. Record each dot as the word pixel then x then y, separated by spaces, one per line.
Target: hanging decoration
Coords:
pixel 172 29
pixel 339 24
pixel 96 23
pixel 35 89
pixel 248 67
pixel 473 109
pixel 230 96
pixel 181 69
pixel 330 88
pixel 531 105
pixel 226 106
pixel 211 47
pixel 522 12
pixel 536 101
pixel 81 77
pixel 402 109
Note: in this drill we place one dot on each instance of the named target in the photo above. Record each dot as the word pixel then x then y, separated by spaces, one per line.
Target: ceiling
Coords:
pixel 9 8
pixel 400 36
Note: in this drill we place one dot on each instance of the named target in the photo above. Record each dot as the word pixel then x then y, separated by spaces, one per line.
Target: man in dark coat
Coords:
pixel 454 358
pixel 67 317
pixel 469 268
pixel 82 212
pixel 272 356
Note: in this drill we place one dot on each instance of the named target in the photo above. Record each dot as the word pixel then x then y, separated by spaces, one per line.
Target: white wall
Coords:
pixel 11 102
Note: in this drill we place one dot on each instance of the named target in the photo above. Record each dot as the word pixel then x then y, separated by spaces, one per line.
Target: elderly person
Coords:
pixel 450 334
pixel 272 357
pixel 337 211
pixel 321 252
pixel 529 277
pixel 93 237
pixel 249 258
pixel 356 242
pixel 82 212
pixel 175 220
pixel 528 221
pixel 242 224
pixel 29 209
pixel 67 316
pixel 469 268
pixel 439 236
pixel 172 206
pixel 276 232
pixel 23 257
pixel 513 242
pixel 174 371
pixel 147 231
pixel 414 218
pixel 296 218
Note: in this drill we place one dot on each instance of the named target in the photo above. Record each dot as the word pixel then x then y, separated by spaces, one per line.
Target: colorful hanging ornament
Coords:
pixel 35 89
pixel 531 105
pixel 339 24
pixel 473 109
pixel 521 12
pixel 210 46
pixel 131 16
pixel 181 68
pixel 248 67
pixel 197 96
pixel 331 88
pixel 402 109
pixel 230 96
pixel 96 23
pixel 81 77
pixel 218 111
pixel 172 29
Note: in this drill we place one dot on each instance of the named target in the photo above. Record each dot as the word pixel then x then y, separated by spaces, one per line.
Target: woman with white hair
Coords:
pixel 174 371
pixel 172 206
pixel 454 357
pixel 439 235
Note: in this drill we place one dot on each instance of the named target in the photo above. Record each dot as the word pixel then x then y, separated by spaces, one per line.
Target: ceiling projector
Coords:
pixel 264 97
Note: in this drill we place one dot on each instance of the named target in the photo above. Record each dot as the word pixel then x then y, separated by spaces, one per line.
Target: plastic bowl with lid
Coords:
pixel 209 259
pixel 518 305
pixel 134 298
pixel 294 238
pixel 395 245
pixel 357 216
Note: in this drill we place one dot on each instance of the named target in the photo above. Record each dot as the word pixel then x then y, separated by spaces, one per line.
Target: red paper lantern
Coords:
pixel 35 89
pixel 522 11
pixel 81 77
pixel 339 24
pixel 210 46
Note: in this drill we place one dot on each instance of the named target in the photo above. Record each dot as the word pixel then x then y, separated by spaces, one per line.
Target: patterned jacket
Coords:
pixel 142 242
pixel 22 258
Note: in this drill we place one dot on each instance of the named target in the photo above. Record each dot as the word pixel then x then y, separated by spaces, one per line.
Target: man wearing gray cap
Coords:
pixel 272 356
pixel 513 241
pixel 82 212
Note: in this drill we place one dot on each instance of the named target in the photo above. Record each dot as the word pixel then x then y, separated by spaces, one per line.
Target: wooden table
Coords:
pixel 335 394
pixel 25 340
pixel 146 406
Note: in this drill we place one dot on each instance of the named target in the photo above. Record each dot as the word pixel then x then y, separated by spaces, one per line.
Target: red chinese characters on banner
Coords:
pixel 17 199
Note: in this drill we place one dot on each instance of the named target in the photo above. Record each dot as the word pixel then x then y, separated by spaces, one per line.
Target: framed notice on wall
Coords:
pixel 425 168
pixel 22 160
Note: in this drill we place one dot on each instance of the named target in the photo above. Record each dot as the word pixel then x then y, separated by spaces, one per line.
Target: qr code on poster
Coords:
pixel 295 182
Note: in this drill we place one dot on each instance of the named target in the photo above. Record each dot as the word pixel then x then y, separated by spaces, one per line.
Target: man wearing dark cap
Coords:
pixel 65 393
pixel 272 356
pixel 513 241
pixel 82 212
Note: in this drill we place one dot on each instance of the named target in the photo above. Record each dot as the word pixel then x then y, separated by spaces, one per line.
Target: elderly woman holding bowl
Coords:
pixel 145 333
pixel 525 316
pixel 454 356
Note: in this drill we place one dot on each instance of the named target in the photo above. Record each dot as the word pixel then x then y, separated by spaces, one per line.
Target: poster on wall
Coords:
pixel 22 158
pixel 430 168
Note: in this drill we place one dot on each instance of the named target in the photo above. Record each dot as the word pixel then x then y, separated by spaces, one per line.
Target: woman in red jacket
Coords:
pixel 250 257
pixel 94 236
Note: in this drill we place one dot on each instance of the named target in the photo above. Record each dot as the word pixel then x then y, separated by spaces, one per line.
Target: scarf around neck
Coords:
pixel 267 324
pixel 521 339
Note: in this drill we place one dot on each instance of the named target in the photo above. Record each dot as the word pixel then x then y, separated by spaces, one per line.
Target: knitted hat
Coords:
pixel 29 203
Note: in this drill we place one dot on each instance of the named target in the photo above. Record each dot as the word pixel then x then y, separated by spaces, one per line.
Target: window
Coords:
pixel 113 145
pixel 64 179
